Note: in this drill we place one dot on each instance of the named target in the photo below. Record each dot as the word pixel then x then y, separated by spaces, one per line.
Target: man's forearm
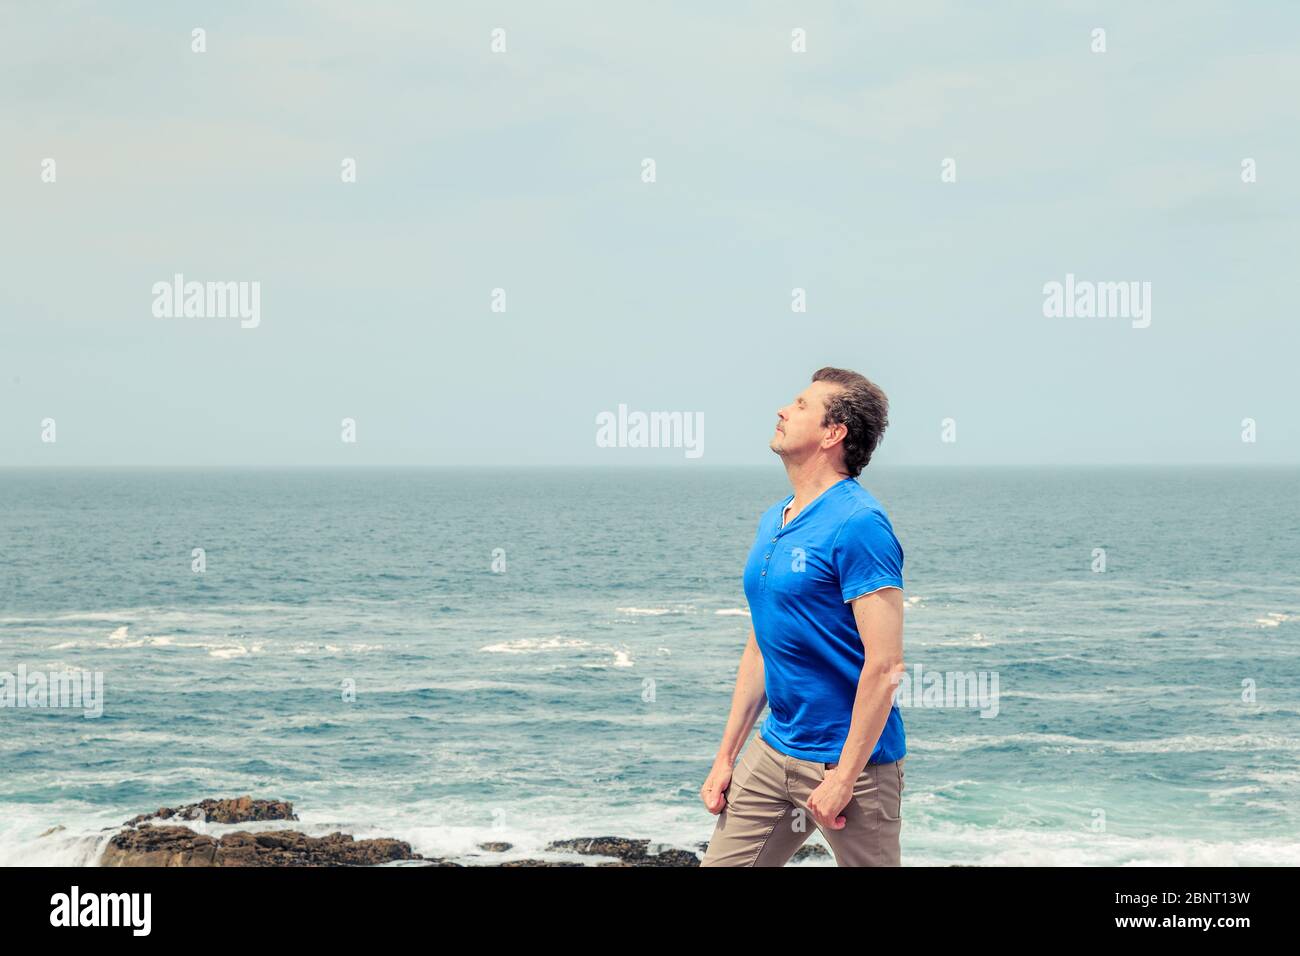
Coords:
pixel 747 702
pixel 871 708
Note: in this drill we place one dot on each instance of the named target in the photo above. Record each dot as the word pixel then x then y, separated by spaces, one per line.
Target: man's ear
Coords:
pixel 836 433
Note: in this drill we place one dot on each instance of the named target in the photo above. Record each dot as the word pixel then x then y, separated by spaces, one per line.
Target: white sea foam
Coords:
pixel 1196 743
pixel 1081 695
pixel 622 656
pixel 121 735
pixel 529 645
pixel 123 644
pixel 732 612
pixel 59 833
pixel 474 684
pixel 1185 743
pixel 1270 778
pixel 303 648
pixel 944 844
pixel 972 640
pixel 228 651
pixel 451 827
pixel 656 611
pixel 1231 794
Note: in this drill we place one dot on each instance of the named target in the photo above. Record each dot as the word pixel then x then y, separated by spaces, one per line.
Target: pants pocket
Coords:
pixel 739 774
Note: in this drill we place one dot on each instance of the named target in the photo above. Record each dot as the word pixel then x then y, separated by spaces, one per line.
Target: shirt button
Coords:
pixel 760 575
pixel 774 539
pixel 767 555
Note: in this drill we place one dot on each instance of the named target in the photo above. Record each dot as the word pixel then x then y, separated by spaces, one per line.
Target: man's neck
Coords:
pixel 810 479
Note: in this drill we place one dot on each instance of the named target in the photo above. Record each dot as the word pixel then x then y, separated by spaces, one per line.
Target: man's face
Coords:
pixel 799 429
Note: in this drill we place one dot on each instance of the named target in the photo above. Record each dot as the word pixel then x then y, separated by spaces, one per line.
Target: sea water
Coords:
pixel 454 656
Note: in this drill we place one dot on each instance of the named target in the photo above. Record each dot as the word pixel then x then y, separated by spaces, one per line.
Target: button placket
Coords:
pixel 767 558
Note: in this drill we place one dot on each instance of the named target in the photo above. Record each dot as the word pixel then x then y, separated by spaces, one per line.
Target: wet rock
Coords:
pixel 235 810
pixel 149 845
pixel 159 846
pixel 629 852
pixel 809 850
pixel 513 863
pixel 147 841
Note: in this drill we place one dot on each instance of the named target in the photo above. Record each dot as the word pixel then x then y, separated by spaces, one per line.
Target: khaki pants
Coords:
pixel 766 816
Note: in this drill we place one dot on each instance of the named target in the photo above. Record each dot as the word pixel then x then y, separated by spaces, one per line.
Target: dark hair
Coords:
pixel 862 407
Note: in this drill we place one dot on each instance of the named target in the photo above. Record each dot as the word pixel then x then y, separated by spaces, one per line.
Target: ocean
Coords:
pixel 451 656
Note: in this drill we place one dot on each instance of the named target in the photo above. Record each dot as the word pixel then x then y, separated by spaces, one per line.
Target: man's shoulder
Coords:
pixel 858 499
pixel 862 513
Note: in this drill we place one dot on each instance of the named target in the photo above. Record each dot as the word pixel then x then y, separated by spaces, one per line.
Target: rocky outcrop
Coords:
pixel 237 810
pixel 147 841
pixel 628 852
pixel 809 850
pixel 149 845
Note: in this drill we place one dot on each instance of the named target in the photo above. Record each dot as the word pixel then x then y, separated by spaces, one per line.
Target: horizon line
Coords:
pixel 337 466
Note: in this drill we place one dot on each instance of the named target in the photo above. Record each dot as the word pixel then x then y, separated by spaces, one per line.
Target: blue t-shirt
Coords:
pixel 799 580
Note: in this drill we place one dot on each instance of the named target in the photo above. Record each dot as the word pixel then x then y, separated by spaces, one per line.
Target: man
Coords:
pixel 824 584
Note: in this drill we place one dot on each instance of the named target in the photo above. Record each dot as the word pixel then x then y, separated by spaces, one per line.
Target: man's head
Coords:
pixel 841 415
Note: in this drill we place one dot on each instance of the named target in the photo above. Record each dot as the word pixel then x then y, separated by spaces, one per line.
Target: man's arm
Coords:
pixel 879 616
pixel 747 702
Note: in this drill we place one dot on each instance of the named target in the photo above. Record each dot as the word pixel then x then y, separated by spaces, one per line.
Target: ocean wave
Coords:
pixel 972 640
pixel 1272 778
pixel 656 611
pixel 303 648
pixel 234 650
pixel 947 844
pixel 622 656
pixel 1185 743
pixel 530 645
pixel 1272 619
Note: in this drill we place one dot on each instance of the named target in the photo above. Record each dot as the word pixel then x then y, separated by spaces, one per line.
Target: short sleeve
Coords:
pixel 867 555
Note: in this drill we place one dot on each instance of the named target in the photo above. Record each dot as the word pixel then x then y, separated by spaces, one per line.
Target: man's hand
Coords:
pixel 831 796
pixel 713 791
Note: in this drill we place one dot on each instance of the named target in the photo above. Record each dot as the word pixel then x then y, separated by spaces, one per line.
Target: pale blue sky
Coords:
pixel 522 170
